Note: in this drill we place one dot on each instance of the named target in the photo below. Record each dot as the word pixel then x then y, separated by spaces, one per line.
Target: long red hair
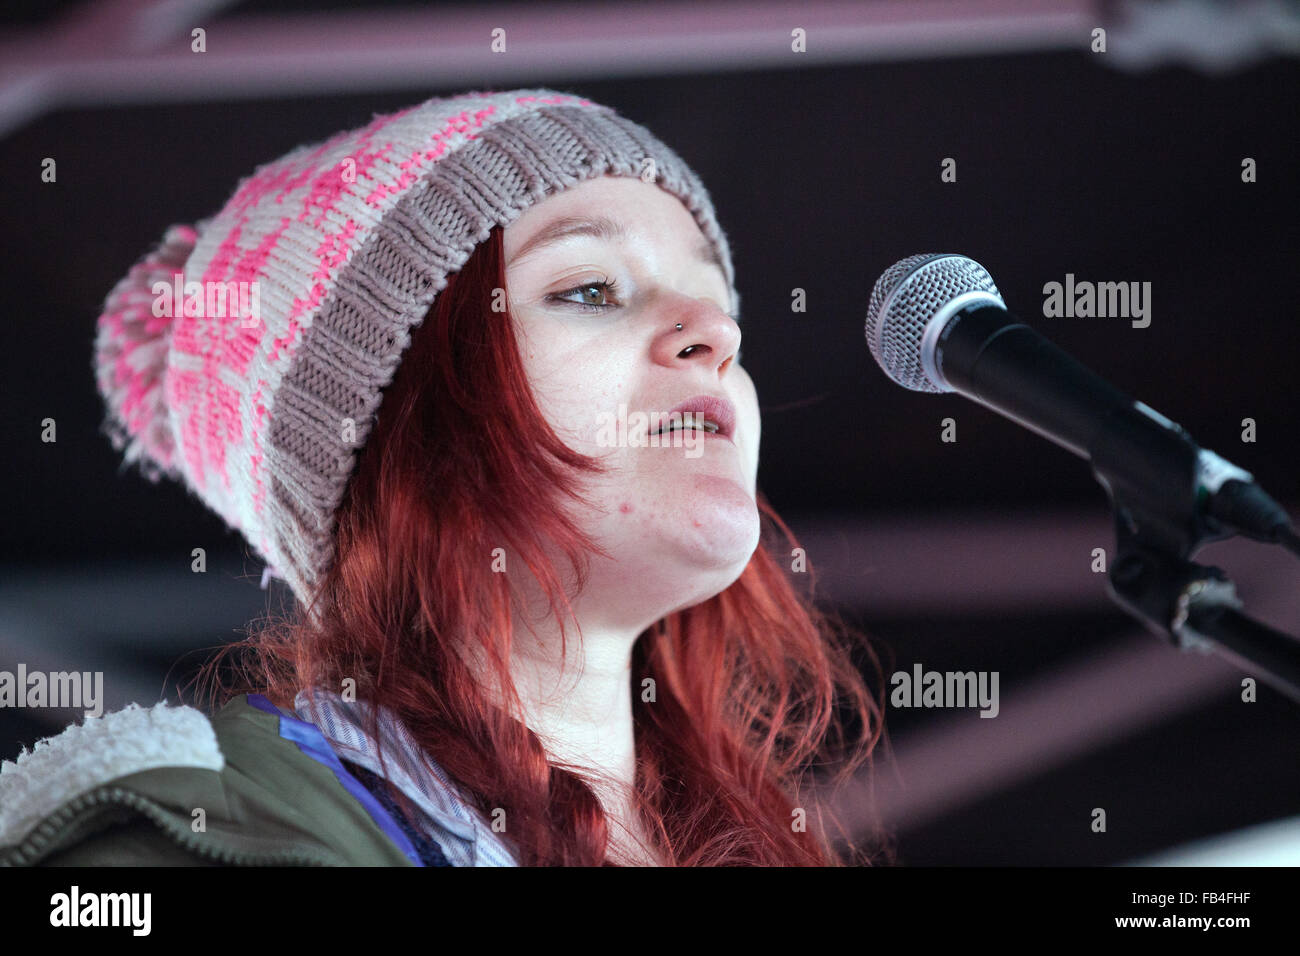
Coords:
pixel 754 689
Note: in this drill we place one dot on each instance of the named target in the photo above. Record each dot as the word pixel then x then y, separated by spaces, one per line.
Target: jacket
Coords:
pixel 251 785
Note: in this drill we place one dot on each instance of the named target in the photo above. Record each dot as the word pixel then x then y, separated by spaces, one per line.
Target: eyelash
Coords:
pixel 610 287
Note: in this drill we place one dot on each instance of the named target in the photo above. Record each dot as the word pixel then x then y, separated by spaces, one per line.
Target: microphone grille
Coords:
pixel 909 294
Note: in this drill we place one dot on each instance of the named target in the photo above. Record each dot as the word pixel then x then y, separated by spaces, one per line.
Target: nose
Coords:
pixel 707 336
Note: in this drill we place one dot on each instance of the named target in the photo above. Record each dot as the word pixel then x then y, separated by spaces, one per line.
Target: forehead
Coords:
pixel 611 209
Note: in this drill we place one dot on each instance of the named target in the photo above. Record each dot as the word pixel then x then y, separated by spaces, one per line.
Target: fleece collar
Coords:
pixel 62 768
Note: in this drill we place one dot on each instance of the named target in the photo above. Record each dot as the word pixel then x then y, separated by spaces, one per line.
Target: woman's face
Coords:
pixel 597 356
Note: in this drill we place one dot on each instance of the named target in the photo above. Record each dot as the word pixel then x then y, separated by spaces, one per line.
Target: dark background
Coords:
pixel 965 555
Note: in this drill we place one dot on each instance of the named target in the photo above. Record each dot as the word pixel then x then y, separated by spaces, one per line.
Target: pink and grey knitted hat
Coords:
pixel 246 356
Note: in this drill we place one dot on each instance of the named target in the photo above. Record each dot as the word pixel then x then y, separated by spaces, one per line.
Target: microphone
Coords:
pixel 937 323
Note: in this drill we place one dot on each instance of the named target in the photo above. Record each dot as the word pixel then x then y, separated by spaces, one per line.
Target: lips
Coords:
pixel 710 408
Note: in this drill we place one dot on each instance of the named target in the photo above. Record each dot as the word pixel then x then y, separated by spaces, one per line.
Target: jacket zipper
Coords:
pixel 34 846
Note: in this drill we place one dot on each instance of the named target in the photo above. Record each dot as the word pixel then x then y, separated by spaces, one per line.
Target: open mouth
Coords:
pixel 709 426
pixel 708 413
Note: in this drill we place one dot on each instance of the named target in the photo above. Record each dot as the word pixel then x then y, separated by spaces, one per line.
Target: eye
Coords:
pixel 607 287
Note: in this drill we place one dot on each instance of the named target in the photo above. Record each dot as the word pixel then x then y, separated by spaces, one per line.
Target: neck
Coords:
pixel 581 707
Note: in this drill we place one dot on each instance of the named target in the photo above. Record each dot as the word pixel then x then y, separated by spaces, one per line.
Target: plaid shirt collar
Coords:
pixel 447 817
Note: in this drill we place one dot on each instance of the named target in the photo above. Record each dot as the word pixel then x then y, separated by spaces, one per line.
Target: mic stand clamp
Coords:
pixel 1196 608
pixel 1160 521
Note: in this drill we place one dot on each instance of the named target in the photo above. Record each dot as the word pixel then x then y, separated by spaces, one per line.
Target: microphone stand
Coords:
pixel 1196 607
pixel 1159 524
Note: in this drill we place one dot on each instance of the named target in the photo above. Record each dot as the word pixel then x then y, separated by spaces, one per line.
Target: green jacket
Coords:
pixel 169 786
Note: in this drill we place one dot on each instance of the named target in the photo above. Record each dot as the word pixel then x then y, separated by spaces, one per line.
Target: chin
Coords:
pixel 722 542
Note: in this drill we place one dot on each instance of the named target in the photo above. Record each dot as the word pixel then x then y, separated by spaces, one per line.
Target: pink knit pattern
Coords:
pixel 194 393
pixel 132 345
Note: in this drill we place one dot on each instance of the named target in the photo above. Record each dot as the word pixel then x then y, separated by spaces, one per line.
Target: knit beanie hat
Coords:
pixel 246 356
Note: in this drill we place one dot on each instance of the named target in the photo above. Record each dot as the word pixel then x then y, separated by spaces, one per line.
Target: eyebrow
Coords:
pixel 602 227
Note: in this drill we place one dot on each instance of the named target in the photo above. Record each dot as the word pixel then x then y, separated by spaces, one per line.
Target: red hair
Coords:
pixel 752 687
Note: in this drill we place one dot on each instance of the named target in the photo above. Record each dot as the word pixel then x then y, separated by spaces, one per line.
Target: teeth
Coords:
pixel 711 427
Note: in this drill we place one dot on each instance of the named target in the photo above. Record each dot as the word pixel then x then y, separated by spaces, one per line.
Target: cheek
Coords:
pixel 747 405
pixel 577 395
pixel 548 362
pixel 571 411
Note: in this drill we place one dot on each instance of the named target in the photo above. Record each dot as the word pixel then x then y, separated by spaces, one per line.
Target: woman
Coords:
pixel 536 624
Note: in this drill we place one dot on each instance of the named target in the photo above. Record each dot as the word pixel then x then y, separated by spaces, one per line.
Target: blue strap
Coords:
pixel 311 742
pixel 430 852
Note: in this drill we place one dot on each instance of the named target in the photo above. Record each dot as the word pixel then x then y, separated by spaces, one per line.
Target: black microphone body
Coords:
pixel 985 354
pixel 937 324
